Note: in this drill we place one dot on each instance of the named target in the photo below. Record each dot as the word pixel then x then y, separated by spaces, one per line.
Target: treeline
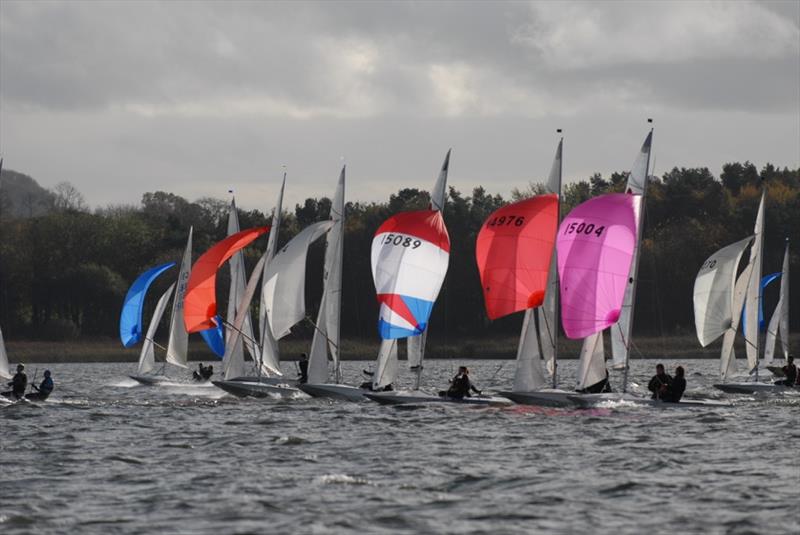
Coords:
pixel 64 273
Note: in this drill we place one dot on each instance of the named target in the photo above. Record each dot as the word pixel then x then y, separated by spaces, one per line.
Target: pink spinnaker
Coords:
pixel 595 245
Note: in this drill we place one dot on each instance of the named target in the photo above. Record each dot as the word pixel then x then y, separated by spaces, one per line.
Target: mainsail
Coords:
pixel 751 327
pixel 779 323
pixel 178 345
pixel 595 246
pixel 130 320
pixel 5 373
pixel 147 355
pixel 200 302
pixel 327 332
pixel 270 356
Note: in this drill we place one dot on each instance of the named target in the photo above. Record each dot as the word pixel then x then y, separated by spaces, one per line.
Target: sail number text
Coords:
pixel 584 228
pixel 400 240
pixel 507 220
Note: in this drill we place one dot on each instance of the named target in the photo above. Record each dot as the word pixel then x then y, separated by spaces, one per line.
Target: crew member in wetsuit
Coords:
pixel 676 387
pixel 460 386
pixel 659 383
pixel 303 365
pixel 43 390
pixel 790 371
pixel 18 384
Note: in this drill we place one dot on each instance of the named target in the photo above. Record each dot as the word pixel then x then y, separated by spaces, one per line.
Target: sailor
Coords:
pixel 208 372
pixel 303 365
pixel 199 374
pixel 460 386
pixel 44 389
pixel 676 387
pixel 660 382
pixel 18 384
pixel 790 371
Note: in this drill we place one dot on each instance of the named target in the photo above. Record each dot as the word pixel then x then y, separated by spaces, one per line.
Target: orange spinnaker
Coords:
pixel 513 251
pixel 200 301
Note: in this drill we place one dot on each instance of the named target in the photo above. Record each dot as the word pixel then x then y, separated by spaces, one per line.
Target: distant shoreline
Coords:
pixel 110 350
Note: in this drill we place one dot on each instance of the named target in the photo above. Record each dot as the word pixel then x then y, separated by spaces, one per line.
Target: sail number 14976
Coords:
pixel 584 228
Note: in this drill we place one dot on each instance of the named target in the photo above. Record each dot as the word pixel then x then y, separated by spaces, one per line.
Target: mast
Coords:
pixel 621 335
pixel 268 347
pixel 554 261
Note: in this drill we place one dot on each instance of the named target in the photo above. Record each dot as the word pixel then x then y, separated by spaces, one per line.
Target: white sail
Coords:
pixel 416 348
pixel 727 357
pixel 327 331
pixel 270 356
pixel 779 323
pixel 621 332
pixel 147 356
pixel 713 292
pixel 237 286
pixel 386 366
pixel 528 374
pixel 5 373
pixel 236 368
pixel 751 327
pixel 285 283
pixel 592 366
pixel 178 346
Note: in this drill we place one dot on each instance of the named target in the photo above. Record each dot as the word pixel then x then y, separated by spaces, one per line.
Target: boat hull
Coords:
pixel 419 398
pixel 543 398
pixel 588 401
pixel 244 389
pixel 265 380
pixel 754 388
pixel 334 391
pixel 150 380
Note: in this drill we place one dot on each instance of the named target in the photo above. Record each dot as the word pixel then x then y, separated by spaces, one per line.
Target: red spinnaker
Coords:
pixel 200 302
pixel 513 251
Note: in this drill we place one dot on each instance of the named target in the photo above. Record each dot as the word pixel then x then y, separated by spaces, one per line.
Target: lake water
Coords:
pixel 104 456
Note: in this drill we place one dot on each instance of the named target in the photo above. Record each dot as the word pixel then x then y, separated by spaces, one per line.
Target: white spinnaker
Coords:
pixel 621 332
pixel 779 323
pixel 238 283
pixel 751 327
pixel 236 369
pixel 416 349
pixel 713 292
pixel 528 375
pixel 147 356
pixel 5 373
pixel 285 283
pixel 727 357
pixel 592 366
pixel 386 366
pixel 178 346
pixel 270 355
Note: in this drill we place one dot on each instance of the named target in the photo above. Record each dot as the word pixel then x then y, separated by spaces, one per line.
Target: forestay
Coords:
pixel 410 254
pixel 595 246
pixel 713 292
pixel 130 320
pixel 284 286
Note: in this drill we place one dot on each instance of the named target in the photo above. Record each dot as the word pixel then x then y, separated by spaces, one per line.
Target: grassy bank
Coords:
pixel 110 350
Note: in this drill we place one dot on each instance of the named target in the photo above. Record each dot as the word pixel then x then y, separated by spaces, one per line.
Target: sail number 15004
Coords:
pixel 584 228
pixel 401 241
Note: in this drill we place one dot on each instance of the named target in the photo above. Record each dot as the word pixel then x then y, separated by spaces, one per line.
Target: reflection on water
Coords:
pixel 105 455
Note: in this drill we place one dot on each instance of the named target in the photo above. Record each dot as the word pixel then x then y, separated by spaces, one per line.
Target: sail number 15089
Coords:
pixel 584 228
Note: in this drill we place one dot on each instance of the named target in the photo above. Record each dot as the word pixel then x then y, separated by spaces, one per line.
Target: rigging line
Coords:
pixel 323 333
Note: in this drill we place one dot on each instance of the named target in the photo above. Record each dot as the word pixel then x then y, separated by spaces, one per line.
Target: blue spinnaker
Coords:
pixel 765 280
pixel 215 337
pixel 130 320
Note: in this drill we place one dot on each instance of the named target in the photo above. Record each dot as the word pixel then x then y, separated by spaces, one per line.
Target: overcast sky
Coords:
pixel 195 98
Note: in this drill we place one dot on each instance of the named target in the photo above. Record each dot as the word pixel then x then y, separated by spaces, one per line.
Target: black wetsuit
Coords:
pixel 675 390
pixel 18 385
pixel 461 387
pixel 790 370
pixel 657 382
pixel 303 364
pixel 44 390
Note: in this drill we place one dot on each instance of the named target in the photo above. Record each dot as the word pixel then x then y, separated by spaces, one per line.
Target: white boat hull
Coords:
pixel 257 390
pixel 588 401
pixel 417 398
pixel 755 388
pixel 334 391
